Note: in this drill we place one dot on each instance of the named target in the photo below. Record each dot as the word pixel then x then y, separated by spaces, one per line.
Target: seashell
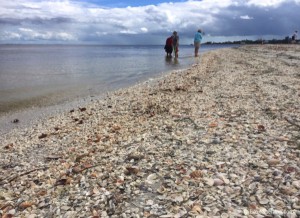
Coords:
pixel 213 124
pixel 178 199
pixel 93 175
pixel 132 170
pixel 280 204
pixel 246 212
pixel 261 128
pixel 276 173
pixel 96 191
pixel 224 215
pixel 252 185
pixel 9 146
pixel 252 206
pixel 296 206
pixel 161 190
pixel 296 184
pixel 263 211
pixel 196 174
pixel 149 202
pixel 228 190
pixel 63 181
pixel 209 181
pixel 151 179
pixel 43 135
pixel 7 215
pixel 288 190
pixel 197 208
pixel 263 201
pixel 220 164
pixel 222 177
pixel 42 192
pixel 76 169
pixel 25 205
pixel 290 169
pixel 116 128
pixel 218 182
pixel 207 209
pixel 273 162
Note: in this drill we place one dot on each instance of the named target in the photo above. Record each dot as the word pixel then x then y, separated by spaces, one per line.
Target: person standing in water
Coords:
pixel 197 41
pixel 169 46
pixel 175 43
pixel 294 37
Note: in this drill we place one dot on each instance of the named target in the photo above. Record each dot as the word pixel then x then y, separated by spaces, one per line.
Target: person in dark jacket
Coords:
pixel 169 46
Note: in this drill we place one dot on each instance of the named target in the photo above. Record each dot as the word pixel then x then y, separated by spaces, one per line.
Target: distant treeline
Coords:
pixel 286 40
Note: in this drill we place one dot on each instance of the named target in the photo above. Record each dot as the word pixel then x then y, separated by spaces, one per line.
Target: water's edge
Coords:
pixel 26 114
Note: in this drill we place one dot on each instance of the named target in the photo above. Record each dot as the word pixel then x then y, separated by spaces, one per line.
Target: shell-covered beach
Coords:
pixel 220 139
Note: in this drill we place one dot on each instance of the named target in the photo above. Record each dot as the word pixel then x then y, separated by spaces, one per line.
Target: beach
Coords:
pixel 220 138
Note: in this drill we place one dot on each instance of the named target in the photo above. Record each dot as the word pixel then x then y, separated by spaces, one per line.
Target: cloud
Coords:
pixel 267 3
pixel 246 17
pixel 144 29
pixel 80 21
pixel 33 35
pixel 10 36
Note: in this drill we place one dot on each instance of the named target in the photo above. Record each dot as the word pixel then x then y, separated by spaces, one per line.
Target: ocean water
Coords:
pixel 42 75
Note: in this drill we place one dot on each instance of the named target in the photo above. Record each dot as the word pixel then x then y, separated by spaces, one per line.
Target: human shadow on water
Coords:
pixel 171 61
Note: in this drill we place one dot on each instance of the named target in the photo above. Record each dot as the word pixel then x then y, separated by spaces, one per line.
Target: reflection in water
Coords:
pixel 171 60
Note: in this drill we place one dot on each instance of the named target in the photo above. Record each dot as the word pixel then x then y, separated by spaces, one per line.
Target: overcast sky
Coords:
pixel 144 21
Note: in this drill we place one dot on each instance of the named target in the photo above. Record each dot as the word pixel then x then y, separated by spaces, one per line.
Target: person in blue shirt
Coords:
pixel 197 41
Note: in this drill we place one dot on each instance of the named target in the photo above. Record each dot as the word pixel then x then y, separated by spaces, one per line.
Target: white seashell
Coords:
pixel 218 182
pixel 151 179
pixel 220 164
pixel 273 162
pixel 263 211
pixel 209 181
pixel 178 199
pixel 224 215
pixel 149 202
pixel 228 190
pixel 296 184
pixel 296 206
pixel 222 177
pixel 252 186
pixel 246 212
pixel 263 201
pixel 276 213
pixel 95 191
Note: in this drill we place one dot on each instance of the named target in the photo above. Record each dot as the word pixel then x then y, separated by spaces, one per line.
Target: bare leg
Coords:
pixel 196 51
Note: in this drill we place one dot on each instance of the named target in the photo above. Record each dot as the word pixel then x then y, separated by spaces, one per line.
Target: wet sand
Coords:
pixel 218 139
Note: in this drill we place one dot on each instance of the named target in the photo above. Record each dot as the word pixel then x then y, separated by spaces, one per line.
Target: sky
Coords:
pixel 144 22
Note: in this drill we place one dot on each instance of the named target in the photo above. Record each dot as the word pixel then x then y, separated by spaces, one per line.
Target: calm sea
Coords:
pixel 41 75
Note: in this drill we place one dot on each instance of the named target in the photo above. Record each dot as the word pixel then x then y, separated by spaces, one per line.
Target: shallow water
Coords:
pixel 43 75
